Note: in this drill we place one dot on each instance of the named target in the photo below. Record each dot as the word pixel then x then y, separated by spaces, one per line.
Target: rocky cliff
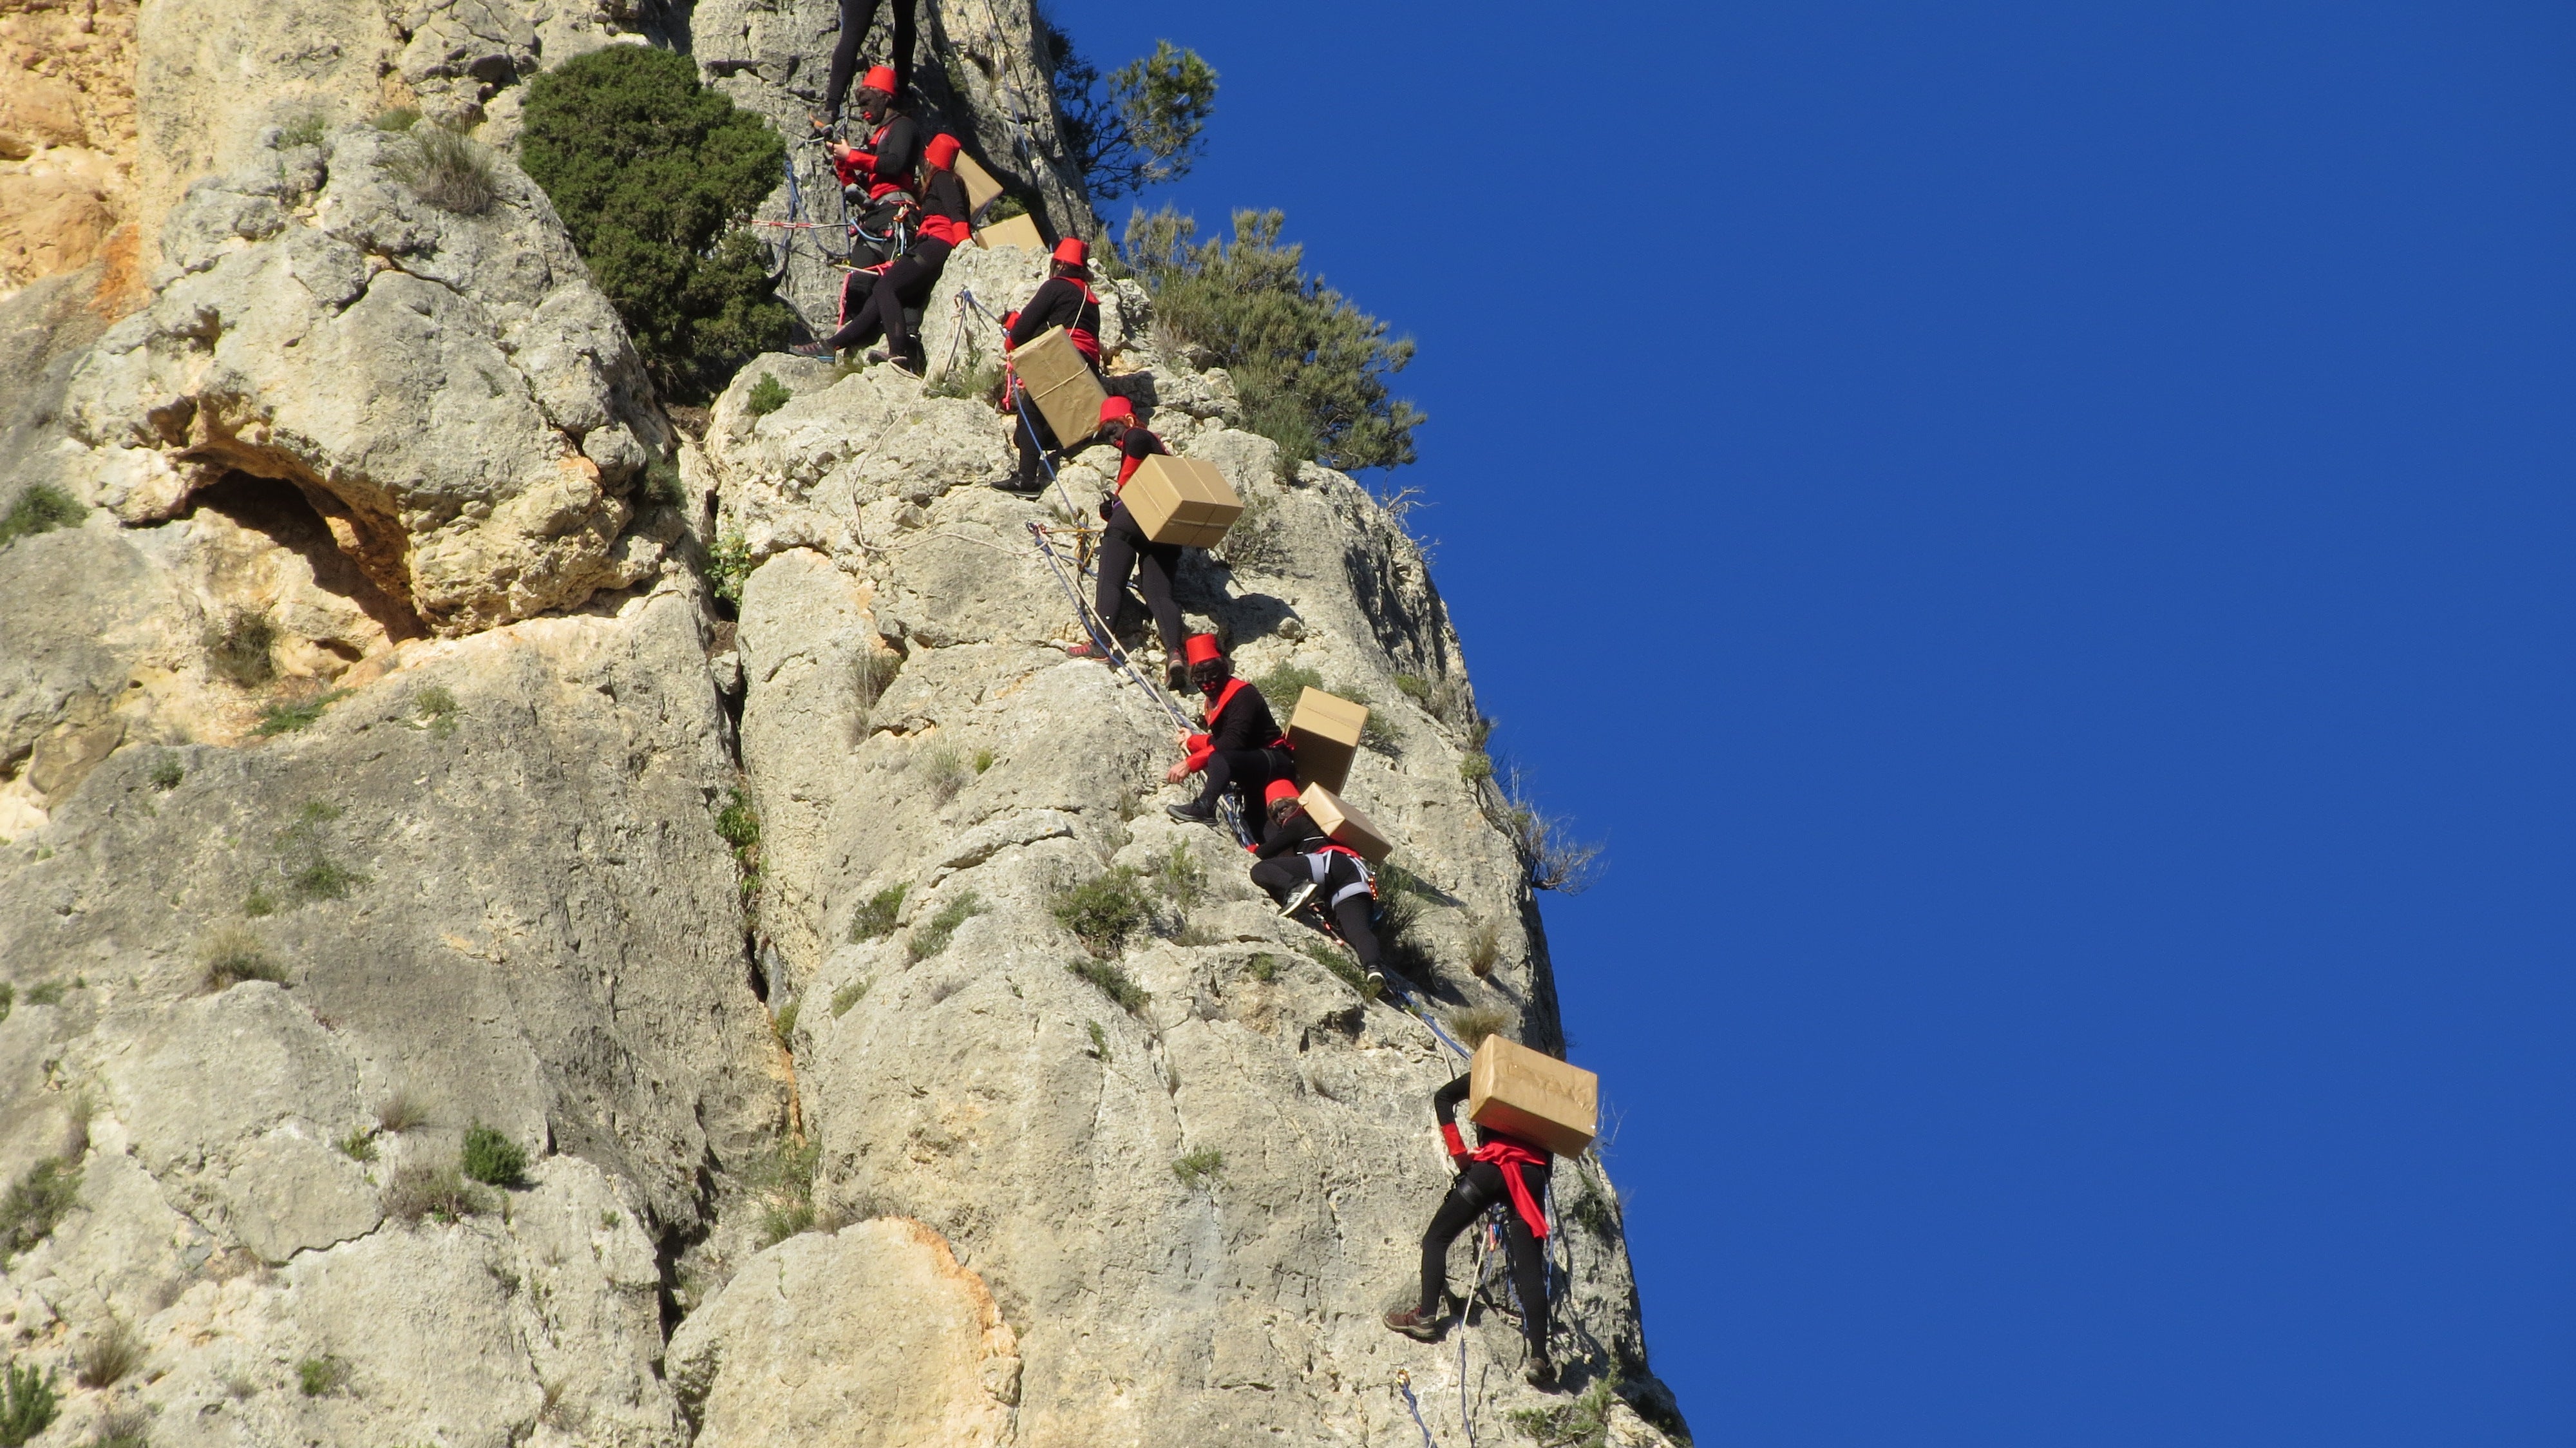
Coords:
pixel 417 753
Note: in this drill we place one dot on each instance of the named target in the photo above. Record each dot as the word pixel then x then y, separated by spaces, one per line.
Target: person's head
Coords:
pixel 1281 796
pixel 1208 666
pixel 942 151
pixel 1117 414
pixel 1072 257
pixel 876 91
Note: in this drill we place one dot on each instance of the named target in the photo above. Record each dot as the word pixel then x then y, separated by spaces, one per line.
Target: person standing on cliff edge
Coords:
pixel 856 17
pixel 1243 746
pixel 1501 1168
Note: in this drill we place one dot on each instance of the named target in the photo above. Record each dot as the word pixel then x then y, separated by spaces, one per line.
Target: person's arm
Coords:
pixel 1293 835
pixel 1444 1102
pixel 898 152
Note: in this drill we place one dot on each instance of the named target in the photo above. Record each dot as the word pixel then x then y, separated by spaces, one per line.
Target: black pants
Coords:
pixel 1476 1188
pixel 1249 768
pixel 1124 551
pixel 856 17
pixel 906 283
pixel 1032 432
pixel 1287 872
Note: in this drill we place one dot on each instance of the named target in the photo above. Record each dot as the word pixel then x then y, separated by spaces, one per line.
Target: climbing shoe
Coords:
pixel 1023 487
pixel 1177 678
pixel 1084 650
pixel 811 349
pixel 1414 1323
pixel 1191 814
pixel 1540 1374
pixel 1298 897
pixel 1377 982
pixel 909 366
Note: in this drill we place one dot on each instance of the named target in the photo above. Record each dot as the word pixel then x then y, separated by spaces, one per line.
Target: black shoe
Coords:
pixel 1191 814
pixel 1177 678
pixel 1414 1323
pixel 1540 1374
pixel 812 349
pixel 1024 487
pixel 909 366
pixel 875 355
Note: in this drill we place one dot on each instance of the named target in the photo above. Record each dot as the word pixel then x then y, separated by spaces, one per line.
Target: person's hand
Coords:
pixel 1181 737
pixel 1105 506
pixel 1177 773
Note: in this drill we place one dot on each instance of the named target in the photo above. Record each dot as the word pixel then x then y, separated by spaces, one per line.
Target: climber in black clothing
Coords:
pixel 1299 861
pixel 877 174
pixel 1242 746
pixel 1124 546
pixel 856 17
pixel 1501 1168
pixel 1065 300
pixel 907 282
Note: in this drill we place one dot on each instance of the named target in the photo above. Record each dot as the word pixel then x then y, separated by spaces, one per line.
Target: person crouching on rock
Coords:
pixel 1125 550
pixel 1242 748
pixel 1064 299
pixel 1501 1168
pixel 1299 862
pixel 940 229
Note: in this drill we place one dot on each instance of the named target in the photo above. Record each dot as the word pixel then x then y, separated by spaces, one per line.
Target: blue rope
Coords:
pixel 1404 1385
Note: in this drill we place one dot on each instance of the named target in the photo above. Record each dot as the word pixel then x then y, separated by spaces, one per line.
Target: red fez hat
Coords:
pixel 1277 790
pixel 1074 251
pixel 880 78
pixel 1116 407
pixel 942 151
pixel 1201 649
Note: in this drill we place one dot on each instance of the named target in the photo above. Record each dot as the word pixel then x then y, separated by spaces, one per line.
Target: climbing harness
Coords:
pixel 1404 1385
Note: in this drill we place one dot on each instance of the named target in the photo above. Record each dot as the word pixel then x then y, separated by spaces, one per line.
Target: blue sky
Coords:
pixel 2039 536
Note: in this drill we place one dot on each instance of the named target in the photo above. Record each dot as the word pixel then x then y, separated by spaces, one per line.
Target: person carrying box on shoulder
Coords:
pixel 1064 299
pixel 1126 551
pixel 907 282
pixel 1501 1167
pixel 1300 862
pixel 1243 747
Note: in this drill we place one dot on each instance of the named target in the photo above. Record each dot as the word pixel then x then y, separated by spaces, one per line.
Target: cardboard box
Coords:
pixel 980 185
pixel 1019 231
pixel 1067 392
pixel 1344 823
pixel 1534 1096
pixel 1181 500
pixel 1325 733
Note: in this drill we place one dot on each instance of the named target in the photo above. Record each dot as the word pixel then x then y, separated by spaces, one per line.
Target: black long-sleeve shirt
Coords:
pixel 1296 835
pixel 888 159
pixel 1058 302
pixel 1244 724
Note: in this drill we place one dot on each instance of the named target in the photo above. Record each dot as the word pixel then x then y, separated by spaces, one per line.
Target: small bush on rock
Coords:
pixel 288 718
pixel 321 1376
pixel 767 396
pixel 944 771
pixel 27 1403
pixel 1104 910
pixel 239 648
pixel 1199 1167
pixel 850 995
pixel 397 120
pixel 492 1158
pixel 875 919
pixel 439 1192
pixel 1472 1024
pixel 400 1111
pixel 234 955
pixel 36 1201
pixel 1112 982
pixel 445 169
pixel 167 772
pixel 651 172
pixel 933 938
pixel 105 1358
pixel 38 508
pixel 728 564
pixel 1583 1423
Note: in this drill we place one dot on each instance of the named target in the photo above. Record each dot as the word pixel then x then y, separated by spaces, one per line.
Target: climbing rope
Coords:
pixel 1404 1385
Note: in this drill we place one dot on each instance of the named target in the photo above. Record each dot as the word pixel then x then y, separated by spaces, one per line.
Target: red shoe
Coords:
pixel 1413 1324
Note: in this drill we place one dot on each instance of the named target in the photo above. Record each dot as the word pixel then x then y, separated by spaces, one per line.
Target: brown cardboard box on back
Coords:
pixel 1345 824
pixel 1181 500
pixel 1017 231
pixel 1068 394
pixel 980 185
pixel 1325 733
pixel 1533 1096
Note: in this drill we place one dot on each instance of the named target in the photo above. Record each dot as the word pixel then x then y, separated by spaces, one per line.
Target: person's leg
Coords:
pixel 1529 1268
pixel 1220 773
pixel 908 283
pixel 1117 560
pixel 1469 1194
pixel 902 46
pixel 1352 915
pixel 1160 563
pixel 856 17
pixel 1279 876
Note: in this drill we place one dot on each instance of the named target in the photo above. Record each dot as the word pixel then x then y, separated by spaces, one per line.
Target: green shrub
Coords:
pixel 785 1183
pixel 38 508
pixel 36 1201
pixel 767 396
pixel 1104 910
pixel 437 708
pixel 1592 1212
pixel 27 1404
pixel 444 169
pixel 738 825
pixel 240 648
pixel 1199 1167
pixel 1311 368
pixel 492 1158
pixel 850 995
pixel 258 904
pixel 728 564
pixel 167 772
pixel 1146 124
pixel 306 129
pixel 1343 967
pixel 783 1025
pixel 288 718
pixel 359 1144
pixel 1282 687
pixel 439 1192
pixel 1112 982
pixel 875 919
pixel 933 938
pixel 321 1376
pixel 1484 947
pixel 944 771
pixel 650 172
pixel 981 760
pixel 8 999
pixel 1475 766
pixel 48 993
pixel 663 484
pixel 398 119
pixel 233 955
pixel 1263 967
pixel 1184 878
pixel 1099 1041
pixel 1583 1423
pixel 104 1359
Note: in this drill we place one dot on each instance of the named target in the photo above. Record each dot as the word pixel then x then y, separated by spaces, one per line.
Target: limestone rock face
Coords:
pixel 66 135
pixel 449 392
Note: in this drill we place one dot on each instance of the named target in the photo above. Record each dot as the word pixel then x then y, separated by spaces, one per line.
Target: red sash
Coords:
pixel 1511 1156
